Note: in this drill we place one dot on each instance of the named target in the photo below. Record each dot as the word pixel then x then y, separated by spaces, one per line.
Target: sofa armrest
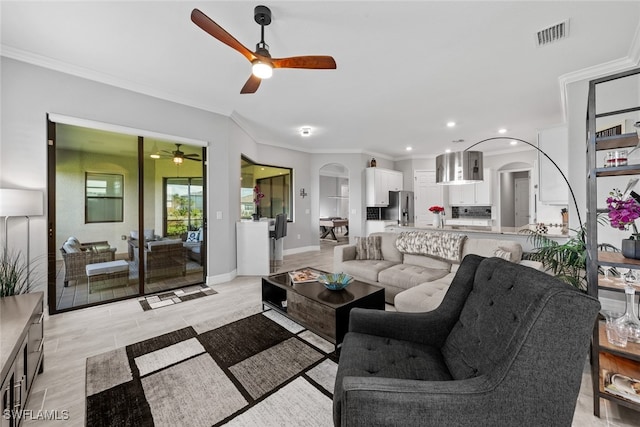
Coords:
pixel 344 253
pixel 537 265
pixel 341 254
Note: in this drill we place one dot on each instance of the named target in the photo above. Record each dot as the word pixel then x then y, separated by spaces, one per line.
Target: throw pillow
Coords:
pixel 369 248
pixel 500 253
pixel 193 236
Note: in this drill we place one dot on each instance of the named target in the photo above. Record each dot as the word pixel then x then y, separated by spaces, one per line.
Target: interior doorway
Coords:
pixel 334 202
pixel 515 195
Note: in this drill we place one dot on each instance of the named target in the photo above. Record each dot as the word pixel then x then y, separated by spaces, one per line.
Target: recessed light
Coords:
pixel 448 150
pixel 305 131
pixel 513 142
pixel 503 130
pixel 409 148
pixel 451 124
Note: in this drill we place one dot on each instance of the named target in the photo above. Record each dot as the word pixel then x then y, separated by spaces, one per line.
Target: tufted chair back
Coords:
pixel 502 310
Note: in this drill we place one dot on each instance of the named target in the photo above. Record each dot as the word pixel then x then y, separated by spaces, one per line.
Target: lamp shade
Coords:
pixel 460 167
pixel 21 202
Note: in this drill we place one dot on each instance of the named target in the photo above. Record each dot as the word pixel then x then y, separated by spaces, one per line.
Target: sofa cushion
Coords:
pixel 369 248
pixel 424 297
pixel 447 246
pixel 366 355
pixel 365 269
pixel 407 275
pixel 426 261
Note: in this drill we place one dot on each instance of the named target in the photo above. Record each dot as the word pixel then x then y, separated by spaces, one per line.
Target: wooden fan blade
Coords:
pixel 192 155
pixel 191 158
pixel 208 25
pixel 251 85
pixel 311 62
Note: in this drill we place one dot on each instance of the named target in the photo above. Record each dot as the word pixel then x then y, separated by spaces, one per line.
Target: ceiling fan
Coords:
pixel 179 156
pixel 263 63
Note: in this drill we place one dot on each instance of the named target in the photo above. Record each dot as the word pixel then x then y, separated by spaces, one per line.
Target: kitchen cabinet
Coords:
pixel 472 194
pixel 552 188
pixel 608 360
pixel 21 352
pixel 379 182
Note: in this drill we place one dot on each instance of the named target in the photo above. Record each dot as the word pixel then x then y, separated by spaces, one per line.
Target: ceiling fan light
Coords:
pixel 261 69
pixel 178 160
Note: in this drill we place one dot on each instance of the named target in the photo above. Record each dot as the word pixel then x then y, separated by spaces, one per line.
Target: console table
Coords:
pixel 21 351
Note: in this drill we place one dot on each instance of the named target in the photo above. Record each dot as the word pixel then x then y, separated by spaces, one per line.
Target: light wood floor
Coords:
pixel 73 336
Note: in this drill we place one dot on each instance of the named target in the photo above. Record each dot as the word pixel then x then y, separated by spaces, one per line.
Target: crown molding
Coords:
pixel 632 60
pixel 93 75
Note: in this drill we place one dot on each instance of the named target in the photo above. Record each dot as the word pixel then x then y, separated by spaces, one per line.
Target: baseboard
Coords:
pixel 301 250
pixel 222 278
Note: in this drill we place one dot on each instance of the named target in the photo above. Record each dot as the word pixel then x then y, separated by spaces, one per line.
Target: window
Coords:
pixel 272 181
pixel 103 197
pixel 183 205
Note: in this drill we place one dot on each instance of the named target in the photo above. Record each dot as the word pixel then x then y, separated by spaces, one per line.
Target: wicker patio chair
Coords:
pixel 75 263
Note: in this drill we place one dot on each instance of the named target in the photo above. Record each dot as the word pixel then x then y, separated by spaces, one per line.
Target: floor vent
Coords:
pixel 553 33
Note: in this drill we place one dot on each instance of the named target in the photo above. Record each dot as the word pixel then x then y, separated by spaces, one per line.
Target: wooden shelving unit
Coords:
pixel 606 358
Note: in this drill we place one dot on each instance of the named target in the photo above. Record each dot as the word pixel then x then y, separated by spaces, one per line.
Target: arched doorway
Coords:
pixel 334 202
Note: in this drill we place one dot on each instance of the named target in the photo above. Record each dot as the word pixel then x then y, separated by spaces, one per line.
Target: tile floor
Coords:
pixel 73 336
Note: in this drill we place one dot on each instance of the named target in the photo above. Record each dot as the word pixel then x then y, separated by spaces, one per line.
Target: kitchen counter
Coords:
pixel 494 232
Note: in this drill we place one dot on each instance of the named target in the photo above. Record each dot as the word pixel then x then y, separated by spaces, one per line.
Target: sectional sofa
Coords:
pixel 416 267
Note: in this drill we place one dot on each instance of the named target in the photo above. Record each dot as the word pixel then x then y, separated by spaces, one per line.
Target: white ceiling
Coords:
pixel 403 68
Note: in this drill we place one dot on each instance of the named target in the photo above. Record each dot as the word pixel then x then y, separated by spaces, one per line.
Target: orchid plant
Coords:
pixel 257 195
pixel 623 212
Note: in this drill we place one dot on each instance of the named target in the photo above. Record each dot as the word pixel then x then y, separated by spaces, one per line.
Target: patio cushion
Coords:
pixel 107 267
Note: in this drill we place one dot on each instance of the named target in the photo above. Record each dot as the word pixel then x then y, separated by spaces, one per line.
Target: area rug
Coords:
pixel 176 296
pixel 262 370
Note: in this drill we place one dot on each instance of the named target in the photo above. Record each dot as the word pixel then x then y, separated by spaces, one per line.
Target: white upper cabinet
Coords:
pixel 379 182
pixel 472 194
pixel 552 188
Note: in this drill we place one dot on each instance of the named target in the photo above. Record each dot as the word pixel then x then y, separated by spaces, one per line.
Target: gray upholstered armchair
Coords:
pixel 507 347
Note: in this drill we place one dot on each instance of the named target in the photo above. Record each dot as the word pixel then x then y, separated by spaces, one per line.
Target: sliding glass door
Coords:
pixel 128 216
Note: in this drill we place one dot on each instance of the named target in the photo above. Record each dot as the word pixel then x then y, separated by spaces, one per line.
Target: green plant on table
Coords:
pixel 568 260
pixel 14 274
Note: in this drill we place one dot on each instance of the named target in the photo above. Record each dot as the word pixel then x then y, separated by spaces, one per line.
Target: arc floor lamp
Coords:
pixel 465 167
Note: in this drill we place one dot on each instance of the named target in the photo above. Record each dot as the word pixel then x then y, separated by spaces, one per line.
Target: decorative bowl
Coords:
pixel 335 281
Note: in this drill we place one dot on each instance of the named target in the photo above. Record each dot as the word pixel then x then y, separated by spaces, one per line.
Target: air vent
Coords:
pixel 552 34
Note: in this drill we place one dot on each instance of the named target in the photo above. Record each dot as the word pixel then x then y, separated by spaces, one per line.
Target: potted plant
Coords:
pixel 257 196
pixel 567 261
pixel 14 274
pixel 623 212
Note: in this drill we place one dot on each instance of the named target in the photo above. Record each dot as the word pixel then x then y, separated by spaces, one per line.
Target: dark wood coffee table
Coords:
pixel 320 310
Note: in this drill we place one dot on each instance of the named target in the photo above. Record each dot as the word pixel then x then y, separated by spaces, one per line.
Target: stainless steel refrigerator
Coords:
pixel 400 207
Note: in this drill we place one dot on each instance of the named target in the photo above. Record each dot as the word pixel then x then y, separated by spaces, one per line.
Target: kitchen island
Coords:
pixel 517 234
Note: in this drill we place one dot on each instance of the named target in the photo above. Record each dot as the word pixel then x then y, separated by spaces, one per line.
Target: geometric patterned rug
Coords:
pixel 262 370
pixel 176 296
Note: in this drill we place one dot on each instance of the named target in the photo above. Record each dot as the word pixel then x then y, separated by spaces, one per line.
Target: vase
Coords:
pixel 629 319
pixel 437 221
pixel 255 217
pixel 631 248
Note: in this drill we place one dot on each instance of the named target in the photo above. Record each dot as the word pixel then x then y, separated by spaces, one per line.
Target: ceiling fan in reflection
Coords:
pixel 176 155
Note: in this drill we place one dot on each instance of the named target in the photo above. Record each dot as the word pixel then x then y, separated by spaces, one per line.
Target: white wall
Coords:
pixel 30 92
